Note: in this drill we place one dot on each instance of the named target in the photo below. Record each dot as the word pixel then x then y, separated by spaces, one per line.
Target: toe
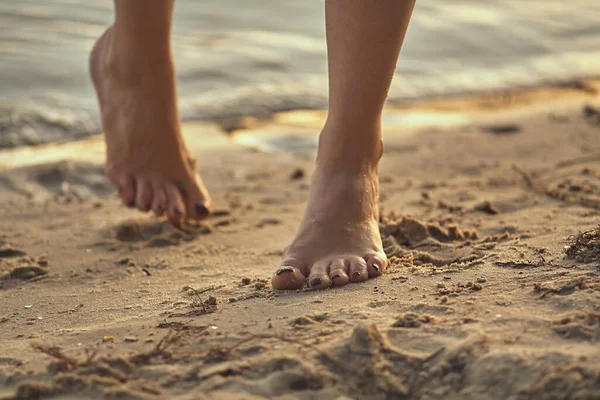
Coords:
pixel 175 207
pixel 338 272
pixel 376 264
pixel 358 270
pixel 126 186
pixel 197 201
pixel 318 278
pixel 159 204
pixel 143 198
pixel 289 276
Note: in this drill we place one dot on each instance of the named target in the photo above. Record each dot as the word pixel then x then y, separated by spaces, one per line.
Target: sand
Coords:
pixel 484 298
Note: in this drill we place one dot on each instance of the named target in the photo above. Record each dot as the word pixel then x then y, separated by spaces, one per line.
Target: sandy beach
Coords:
pixel 493 292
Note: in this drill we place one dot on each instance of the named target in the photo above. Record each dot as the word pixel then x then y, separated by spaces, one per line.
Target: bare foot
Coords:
pixel 338 240
pixel 146 157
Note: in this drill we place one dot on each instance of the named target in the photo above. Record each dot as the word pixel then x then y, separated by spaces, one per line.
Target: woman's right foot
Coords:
pixel 146 156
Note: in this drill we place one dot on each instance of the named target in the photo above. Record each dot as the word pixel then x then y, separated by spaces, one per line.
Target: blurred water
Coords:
pixel 253 57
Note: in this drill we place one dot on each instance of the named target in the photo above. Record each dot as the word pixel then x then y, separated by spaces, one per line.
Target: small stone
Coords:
pixel 259 285
pixel 487 207
pixel 125 261
pixel 131 339
pixel 108 338
pixel 481 280
pixel 476 287
pixel 297 174
pixel 246 281
pixel 211 301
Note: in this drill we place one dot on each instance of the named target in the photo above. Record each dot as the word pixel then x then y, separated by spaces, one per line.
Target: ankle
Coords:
pixel 129 62
pixel 350 148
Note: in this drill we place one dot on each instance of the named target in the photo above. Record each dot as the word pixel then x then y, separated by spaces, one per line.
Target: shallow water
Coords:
pixel 244 57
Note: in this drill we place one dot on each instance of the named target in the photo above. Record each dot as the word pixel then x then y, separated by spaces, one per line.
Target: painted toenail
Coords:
pixel 284 269
pixel 201 210
pixel 376 267
pixel 316 282
pixel 356 275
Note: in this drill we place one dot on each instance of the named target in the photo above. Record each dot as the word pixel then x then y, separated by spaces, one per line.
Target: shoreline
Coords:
pixel 409 117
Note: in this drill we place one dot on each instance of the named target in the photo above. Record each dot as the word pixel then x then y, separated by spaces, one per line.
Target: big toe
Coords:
pixel 376 264
pixel 288 277
pixel 197 201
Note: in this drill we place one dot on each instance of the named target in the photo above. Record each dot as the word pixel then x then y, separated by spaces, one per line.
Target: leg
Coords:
pixel 338 240
pixel 133 74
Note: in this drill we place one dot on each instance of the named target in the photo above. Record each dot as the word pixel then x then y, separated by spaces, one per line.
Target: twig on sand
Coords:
pixel 526 177
pixel 578 160
pixel 198 302
pixel 557 194
pixel 208 289
pixel 56 352
pixel 160 350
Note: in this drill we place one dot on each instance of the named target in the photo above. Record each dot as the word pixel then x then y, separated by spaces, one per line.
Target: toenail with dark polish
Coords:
pixel 336 276
pixel 284 269
pixel 377 267
pixel 356 275
pixel 201 210
pixel 316 282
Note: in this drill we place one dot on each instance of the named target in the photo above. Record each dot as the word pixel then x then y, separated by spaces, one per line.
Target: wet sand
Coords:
pixel 482 301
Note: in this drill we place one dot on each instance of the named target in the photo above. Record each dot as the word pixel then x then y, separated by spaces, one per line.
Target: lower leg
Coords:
pixel 338 240
pixel 141 36
pixel 134 78
pixel 364 40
